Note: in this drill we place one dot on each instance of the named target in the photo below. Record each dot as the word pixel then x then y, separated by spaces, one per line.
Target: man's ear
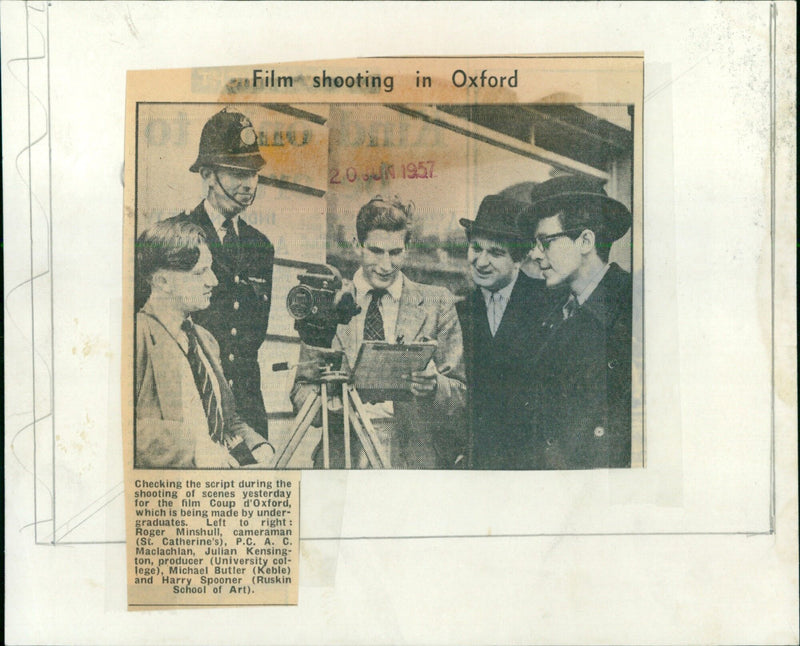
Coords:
pixel 206 172
pixel 160 281
pixel 586 240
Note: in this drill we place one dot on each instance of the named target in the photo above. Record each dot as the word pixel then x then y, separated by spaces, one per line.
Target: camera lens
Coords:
pixel 300 302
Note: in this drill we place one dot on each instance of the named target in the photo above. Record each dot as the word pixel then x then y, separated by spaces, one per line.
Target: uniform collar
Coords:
pixel 218 220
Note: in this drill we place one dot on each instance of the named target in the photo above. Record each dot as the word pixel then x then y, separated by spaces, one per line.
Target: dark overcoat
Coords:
pixel 239 311
pixel 583 377
pixel 500 374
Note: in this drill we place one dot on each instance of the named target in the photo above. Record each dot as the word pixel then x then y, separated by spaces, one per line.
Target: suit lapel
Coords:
pixel 604 300
pixel 411 315
pixel 515 313
pixel 346 334
pixel 480 318
pixel 596 313
pixel 165 358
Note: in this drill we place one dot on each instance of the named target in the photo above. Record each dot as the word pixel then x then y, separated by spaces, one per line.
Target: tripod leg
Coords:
pixel 326 441
pixel 302 423
pixel 366 435
pixel 346 414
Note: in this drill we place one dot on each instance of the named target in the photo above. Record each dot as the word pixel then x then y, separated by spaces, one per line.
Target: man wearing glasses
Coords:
pixel 583 366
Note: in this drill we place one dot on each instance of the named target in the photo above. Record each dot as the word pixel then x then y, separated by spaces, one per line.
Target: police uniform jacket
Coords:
pixel 583 378
pixel 239 309
pixel 500 373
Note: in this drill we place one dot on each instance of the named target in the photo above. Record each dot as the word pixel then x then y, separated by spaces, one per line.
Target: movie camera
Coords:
pixel 315 296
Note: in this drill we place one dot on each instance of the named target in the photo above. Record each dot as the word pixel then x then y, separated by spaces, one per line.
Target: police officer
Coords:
pixel 228 162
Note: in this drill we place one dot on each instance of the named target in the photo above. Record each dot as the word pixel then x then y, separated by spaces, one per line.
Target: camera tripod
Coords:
pixel 355 417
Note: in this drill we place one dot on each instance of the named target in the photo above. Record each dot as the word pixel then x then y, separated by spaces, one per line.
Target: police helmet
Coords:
pixel 229 140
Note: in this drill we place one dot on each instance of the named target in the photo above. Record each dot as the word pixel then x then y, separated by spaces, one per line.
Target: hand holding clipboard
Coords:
pixel 385 371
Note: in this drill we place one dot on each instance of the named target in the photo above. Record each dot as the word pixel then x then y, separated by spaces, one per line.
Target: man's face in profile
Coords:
pixel 490 263
pixel 192 289
pixel 555 252
pixel 382 257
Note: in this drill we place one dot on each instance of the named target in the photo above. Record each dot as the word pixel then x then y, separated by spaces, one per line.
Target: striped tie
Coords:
pixel 204 386
pixel 373 320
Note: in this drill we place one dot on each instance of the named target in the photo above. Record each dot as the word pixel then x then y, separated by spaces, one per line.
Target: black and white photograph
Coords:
pixel 402 286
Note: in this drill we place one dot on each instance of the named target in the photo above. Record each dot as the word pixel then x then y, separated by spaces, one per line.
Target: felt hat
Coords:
pixel 497 218
pixel 570 191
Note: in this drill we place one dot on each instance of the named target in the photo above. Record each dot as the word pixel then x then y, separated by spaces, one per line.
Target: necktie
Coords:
pixel 373 320
pixel 230 241
pixel 495 313
pixel 570 307
pixel 203 381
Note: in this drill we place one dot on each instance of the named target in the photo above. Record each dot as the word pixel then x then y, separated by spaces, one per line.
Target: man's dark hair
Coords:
pixel 173 243
pixel 517 248
pixel 386 214
pixel 586 214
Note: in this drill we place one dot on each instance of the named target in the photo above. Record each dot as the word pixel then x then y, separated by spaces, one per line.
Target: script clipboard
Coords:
pixel 380 367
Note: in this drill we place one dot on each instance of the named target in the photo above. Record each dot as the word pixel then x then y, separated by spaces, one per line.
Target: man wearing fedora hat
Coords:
pixel 583 366
pixel 499 324
pixel 228 162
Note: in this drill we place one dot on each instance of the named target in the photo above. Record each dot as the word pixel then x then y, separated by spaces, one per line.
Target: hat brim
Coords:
pixel 249 162
pixel 616 215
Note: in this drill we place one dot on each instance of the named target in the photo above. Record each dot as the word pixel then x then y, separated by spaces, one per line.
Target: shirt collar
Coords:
pixel 395 290
pixel 217 219
pixel 592 285
pixel 504 293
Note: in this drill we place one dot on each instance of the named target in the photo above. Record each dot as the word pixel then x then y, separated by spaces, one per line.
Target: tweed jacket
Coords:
pixel 171 429
pixel 426 433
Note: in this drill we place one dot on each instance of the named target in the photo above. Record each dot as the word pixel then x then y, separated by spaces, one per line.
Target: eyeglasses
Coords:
pixel 543 242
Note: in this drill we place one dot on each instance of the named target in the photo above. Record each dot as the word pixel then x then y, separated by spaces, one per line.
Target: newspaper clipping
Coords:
pixel 430 263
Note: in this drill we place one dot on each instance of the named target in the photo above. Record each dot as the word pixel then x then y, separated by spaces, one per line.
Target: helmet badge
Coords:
pixel 248 136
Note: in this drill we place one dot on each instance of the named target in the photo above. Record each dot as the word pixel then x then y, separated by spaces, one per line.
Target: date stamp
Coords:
pixel 383 172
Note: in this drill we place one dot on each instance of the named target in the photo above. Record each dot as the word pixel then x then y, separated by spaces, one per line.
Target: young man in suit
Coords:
pixel 499 323
pixel 583 368
pixel 228 162
pixel 186 414
pixel 422 433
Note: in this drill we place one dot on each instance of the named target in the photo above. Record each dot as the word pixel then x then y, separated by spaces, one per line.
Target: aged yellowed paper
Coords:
pixel 371 263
